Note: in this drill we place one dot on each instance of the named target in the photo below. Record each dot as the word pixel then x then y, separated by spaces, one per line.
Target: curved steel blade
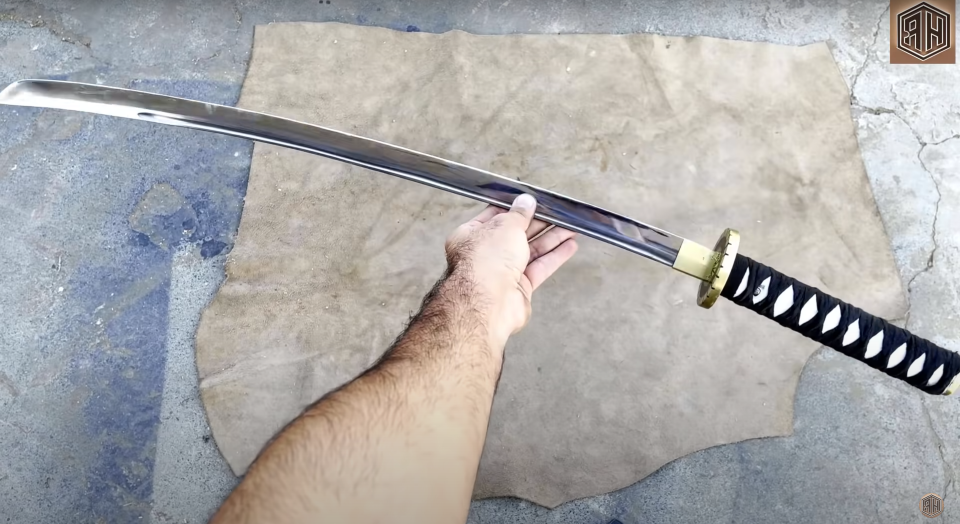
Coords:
pixel 460 179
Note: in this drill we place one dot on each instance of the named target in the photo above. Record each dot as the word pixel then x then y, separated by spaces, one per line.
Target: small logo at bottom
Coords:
pixel 931 505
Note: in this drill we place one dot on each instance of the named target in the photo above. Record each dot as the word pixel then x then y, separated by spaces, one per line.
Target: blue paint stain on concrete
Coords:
pixel 212 248
pixel 140 239
pixel 413 29
pixel 124 371
pixel 211 174
pixel 164 216
pixel 118 291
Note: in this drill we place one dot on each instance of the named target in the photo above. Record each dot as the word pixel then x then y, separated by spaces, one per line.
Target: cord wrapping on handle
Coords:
pixel 843 327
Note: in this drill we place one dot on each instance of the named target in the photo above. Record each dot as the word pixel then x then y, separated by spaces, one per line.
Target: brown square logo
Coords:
pixel 923 32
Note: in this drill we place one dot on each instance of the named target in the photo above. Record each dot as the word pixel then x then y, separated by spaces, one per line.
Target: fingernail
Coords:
pixel 525 201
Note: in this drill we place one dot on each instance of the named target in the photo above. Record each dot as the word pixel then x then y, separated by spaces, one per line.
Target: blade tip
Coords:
pixel 13 93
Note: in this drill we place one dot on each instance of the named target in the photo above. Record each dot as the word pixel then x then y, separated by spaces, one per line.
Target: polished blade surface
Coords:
pixel 460 179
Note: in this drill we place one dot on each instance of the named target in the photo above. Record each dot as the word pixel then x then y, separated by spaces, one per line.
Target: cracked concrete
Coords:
pixel 935 300
pixel 948 468
pixel 870 100
pixel 936 216
pixel 916 99
pixel 866 59
pixel 32 14
pixel 902 188
pixel 923 95
pixel 863 442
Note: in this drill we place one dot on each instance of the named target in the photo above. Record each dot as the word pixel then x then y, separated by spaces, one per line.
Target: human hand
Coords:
pixel 492 257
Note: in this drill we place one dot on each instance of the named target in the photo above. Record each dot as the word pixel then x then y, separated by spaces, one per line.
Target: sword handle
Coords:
pixel 845 328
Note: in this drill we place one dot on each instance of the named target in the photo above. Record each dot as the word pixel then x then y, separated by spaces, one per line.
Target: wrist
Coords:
pixel 470 310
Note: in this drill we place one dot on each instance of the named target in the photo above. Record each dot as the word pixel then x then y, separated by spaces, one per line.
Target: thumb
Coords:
pixel 522 210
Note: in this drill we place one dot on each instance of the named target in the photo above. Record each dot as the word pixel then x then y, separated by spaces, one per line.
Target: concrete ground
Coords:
pixel 114 236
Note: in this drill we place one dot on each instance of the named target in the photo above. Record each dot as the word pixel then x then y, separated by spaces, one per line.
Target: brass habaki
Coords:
pixel 696 260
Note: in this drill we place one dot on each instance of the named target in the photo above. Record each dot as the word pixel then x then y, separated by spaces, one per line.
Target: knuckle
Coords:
pixel 497 221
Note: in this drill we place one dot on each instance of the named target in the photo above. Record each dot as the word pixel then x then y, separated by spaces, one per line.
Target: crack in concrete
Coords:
pixel 866 59
pixel 887 111
pixel 202 58
pixel 238 13
pixel 948 471
pixel 16 426
pixel 949 138
pixel 923 144
pixel 936 184
pixel 936 209
pixel 876 110
pixel 35 19
pixel 936 217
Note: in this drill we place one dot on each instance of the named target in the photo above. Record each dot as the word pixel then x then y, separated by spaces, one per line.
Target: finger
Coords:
pixel 540 269
pixel 488 213
pixel 548 242
pixel 521 212
pixel 536 227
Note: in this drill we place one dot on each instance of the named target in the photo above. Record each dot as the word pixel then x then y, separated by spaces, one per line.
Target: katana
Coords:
pixel 721 270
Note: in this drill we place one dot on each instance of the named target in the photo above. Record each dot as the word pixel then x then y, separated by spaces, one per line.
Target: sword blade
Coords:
pixel 592 221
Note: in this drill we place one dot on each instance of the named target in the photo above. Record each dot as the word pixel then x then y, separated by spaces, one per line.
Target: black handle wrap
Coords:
pixel 843 327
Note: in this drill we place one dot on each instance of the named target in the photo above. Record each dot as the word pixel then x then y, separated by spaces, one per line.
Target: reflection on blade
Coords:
pixel 460 179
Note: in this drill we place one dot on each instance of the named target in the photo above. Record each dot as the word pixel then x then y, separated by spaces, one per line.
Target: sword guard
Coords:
pixel 725 253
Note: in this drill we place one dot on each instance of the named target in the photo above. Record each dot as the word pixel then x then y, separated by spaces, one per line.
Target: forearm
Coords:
pixel 400 443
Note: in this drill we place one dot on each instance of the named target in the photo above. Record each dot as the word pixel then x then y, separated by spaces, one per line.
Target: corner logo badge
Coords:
pixel 922 32
pixel 931 505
